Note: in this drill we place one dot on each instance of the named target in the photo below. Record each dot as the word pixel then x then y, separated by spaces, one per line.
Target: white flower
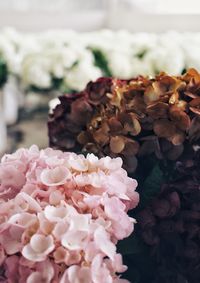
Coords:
pixel 169 59
pixel 36 70
pixel 83 72
pixel 119 63
pixel 142 66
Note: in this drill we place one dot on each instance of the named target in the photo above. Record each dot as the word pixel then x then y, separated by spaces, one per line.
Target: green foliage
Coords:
pixel 3 71
pixel 101 62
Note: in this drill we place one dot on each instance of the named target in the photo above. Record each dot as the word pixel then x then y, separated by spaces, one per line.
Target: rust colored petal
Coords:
pixel 132 125
pixel 158 110
pixel 150 95
pixel 164 128
pixel 182 105
pixel 195 110
pixel 137 104
pixel 180 118
pixel 174 98
pixel 194 131
pixel 131 147
pixel 101 137
pixel 83 137
pixel 195 105
pixel 191 95
pixel 178 138
pixel 115 125
pixel 195 102
pixel 117 144
pixel 192 74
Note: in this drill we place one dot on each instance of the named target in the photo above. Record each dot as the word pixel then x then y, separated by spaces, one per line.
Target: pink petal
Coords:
pixel 99 271
pixel 103 242
pixel 56 176
pixel 38 248
pixel 78 163
pixel 32 203
pixel 74 240
pixel 42 244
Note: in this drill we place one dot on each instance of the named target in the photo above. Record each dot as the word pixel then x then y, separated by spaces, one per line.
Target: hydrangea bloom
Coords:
pixel 61 215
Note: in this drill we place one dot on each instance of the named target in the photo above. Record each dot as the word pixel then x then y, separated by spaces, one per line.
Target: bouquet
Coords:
pixel 153 124
pixel 61 216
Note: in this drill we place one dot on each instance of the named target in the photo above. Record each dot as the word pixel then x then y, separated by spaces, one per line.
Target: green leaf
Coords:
pixel 101 61
pixel 141 54
pixel 3 71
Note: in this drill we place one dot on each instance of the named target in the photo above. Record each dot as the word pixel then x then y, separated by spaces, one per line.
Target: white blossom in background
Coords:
pixel 36 70
pixel 144 66
pixel 169 59
pixel 10 100
pixel 61 59
pixel 3 129
pixel 38 59
pixel 120 64
pixel 83 72
pixel 191 50
pixel 7 52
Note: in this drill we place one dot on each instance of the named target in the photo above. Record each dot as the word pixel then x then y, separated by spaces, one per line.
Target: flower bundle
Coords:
pixel 153 124
pixel 61 217
pixel 130 118
pixel 42 63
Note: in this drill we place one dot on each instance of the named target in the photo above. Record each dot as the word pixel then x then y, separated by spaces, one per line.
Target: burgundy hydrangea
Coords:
pixel 170 225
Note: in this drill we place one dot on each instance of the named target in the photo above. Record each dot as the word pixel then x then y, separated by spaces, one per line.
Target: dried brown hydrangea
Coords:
pixel 130 118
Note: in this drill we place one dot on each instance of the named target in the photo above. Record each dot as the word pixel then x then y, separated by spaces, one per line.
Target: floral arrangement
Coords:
pixel 153 124
pixel 42 63
pixel 61 216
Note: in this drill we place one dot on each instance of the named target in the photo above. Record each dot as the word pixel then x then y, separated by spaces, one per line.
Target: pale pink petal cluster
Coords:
pixel 61 215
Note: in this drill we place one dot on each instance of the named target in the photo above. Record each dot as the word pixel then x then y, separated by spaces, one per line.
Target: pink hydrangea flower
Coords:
pixel 61 215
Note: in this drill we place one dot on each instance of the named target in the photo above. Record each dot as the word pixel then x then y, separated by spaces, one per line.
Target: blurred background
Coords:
pixel 48 48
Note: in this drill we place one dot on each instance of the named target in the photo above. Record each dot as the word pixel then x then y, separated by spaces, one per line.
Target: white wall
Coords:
pixel 87 15
pixel 37 15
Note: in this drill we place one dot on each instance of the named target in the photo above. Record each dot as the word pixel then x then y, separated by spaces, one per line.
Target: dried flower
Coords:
pixel 116 117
